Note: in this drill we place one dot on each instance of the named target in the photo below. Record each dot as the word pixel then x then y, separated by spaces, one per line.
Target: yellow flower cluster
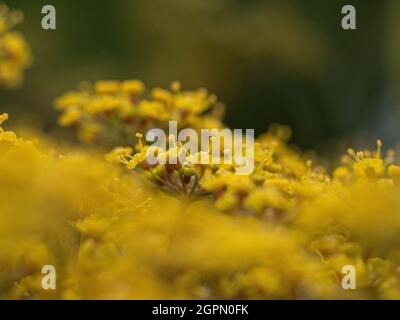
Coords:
pixel 15 55
pixel 6 136
pixel 109 235
pixel 355 221
pixel 170 172
pixel 112 112
pixel 282 178
pixel 283 232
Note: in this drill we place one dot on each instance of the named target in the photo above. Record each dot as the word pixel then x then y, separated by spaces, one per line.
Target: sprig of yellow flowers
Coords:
pixel 112 112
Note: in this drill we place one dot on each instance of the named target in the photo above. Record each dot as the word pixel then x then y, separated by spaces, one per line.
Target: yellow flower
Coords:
pixel 365 164
pixel 134 87
pixel 153 110
pixel 119 153
pixel 106 87
pixel 71 99
pixel 6 136
pixel 135 160
pixel 3 118
pixel 162 95
pixel 72 116
pixel 15 55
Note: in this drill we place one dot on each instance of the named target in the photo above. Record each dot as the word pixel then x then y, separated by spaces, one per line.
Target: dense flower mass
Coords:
pixel 15 54
pixel 184 229
pixel 284 232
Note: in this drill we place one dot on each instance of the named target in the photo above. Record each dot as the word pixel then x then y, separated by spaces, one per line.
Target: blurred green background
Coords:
pixel 282 61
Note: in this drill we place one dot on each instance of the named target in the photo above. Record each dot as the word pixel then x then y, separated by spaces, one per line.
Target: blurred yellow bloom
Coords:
pixel 120 109
pixel 6 136
pixel 15 55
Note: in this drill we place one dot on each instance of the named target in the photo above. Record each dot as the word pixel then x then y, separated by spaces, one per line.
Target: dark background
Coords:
pixel 282 61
